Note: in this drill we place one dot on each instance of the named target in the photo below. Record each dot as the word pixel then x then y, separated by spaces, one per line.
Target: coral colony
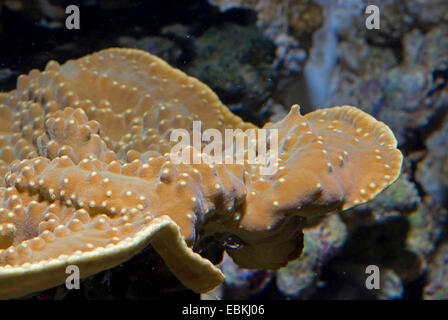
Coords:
pixel 86 154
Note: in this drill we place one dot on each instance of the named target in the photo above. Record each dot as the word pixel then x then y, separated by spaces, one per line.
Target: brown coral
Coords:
pixel 90 181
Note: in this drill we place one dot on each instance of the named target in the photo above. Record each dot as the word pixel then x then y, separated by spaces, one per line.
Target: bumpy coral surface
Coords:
pixel 85 152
